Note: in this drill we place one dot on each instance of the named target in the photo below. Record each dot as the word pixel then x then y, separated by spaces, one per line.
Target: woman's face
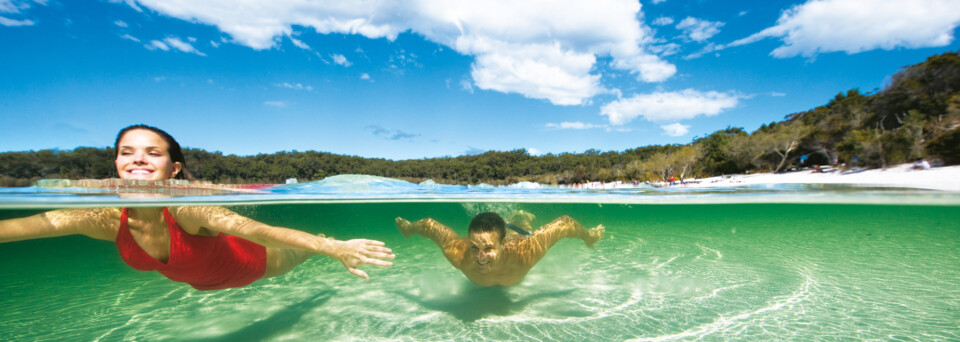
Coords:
pixel 143 154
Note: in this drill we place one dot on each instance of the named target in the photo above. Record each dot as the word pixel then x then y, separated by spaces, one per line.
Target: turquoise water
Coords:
pixel 716 264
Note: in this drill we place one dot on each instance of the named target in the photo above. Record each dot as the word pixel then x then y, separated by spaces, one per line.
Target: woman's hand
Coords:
pixel 353 253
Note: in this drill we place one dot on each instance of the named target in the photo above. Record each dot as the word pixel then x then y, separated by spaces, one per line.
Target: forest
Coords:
pixel 916 116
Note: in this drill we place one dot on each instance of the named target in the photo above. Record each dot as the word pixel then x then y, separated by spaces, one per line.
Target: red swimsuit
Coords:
pixel 204 262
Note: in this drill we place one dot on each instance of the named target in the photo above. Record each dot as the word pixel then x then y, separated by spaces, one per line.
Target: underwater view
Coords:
pixel 781 263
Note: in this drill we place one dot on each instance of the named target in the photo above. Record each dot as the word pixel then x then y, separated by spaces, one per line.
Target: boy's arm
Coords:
pixel 454 247
pixel 533 248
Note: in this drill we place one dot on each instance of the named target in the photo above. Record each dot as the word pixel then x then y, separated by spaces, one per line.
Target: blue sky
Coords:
pixel 427 78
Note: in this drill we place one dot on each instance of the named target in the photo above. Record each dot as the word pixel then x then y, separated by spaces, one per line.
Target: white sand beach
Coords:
pixel 939 178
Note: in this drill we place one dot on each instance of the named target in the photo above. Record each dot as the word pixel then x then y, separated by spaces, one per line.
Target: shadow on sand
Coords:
pixel 279 322
pixel 480 302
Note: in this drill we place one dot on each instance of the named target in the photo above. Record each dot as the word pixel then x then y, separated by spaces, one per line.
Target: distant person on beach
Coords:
pixel 496 253
pixel 209 248
pixel 921 164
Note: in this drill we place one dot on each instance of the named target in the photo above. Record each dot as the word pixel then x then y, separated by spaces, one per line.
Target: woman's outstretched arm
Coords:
pixel 351 253
pixel 98 223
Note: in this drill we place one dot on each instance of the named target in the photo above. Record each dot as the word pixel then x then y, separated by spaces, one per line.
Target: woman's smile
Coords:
pixel 144 155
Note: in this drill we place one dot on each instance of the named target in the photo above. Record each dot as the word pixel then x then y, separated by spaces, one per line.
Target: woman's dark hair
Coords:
pixel 488 222
pixel 176 154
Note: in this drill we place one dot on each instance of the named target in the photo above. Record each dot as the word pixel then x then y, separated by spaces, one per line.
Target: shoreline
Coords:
pixel 946 178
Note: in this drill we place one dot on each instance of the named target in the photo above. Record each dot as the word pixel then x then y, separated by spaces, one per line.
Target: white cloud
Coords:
pixel 401 59
pixel 392 134
pixel 573 125
pixel 13 22
pixel 341 60
pixel 576 125
pixel 654 69
pixel 17 7
pixel 665 49
pixel 668 106
pixel 120 23
pixel 675 129
pixel 322 59
pixel 129 37
pixel 299 43
pixel 7 6
pixel 533 151
pixel 295 86
pixel 777 94
pixel 699 30
pixel 472 151
pixel 543 49
pixel 663 21
pixel 14 6
pixel 540 72
pixel 710 47
pixel 855 26
pixel 658 1
pixel 278 104
pixel 157 45
pixel 366 77
pixel 466 85
pixel 178 44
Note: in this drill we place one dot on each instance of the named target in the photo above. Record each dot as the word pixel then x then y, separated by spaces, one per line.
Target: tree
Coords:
pixel 783 139
pixel 660 164
pixel 713 160
pixel 871 143
pixel 946 147
pixel 684 159
pixel 743 151
pixel 913 122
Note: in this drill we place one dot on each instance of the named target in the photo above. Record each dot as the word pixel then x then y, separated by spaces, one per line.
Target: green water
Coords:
pixel 803 272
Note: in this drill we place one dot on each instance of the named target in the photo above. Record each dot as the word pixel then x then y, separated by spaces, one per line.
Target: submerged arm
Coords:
pixel 95 223
pixel 351 253
pixel 454 247
pixel 533 248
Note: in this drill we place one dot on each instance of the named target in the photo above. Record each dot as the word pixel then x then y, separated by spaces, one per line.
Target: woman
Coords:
pixel 209 248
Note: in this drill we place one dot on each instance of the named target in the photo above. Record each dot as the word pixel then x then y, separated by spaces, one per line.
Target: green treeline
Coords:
pixel 916 116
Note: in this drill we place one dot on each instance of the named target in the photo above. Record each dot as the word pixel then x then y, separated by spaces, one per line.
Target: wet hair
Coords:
pixel 176 154
pixel 488 222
